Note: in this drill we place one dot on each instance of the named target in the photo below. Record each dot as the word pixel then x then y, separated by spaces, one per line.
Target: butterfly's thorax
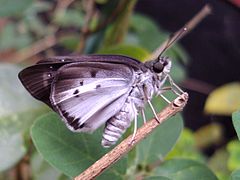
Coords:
pixel 145 86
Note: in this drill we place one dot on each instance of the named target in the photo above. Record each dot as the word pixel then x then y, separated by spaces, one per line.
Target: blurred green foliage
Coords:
pixel 106 27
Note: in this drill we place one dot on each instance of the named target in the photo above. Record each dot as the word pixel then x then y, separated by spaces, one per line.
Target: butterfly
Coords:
pixel 88 91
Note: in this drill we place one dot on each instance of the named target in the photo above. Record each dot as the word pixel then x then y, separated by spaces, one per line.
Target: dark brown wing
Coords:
pixel 37 80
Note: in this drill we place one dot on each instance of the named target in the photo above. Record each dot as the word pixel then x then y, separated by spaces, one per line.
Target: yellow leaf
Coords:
pixel 224 100
pixel 213 131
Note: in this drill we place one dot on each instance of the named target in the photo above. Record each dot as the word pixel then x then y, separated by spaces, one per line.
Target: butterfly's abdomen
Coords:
pixel 117 125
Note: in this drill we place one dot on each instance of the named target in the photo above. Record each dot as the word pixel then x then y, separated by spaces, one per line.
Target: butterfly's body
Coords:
pixel 88 91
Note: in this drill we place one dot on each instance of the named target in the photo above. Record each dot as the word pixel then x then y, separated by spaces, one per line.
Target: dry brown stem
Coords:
pixel 34 49
pixel 126 145
pixel 90 11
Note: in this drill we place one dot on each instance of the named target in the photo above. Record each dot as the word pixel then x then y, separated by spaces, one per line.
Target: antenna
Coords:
pixel 206 10
pixel 172 39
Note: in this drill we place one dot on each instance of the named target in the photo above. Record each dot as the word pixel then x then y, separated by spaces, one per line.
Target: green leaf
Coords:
pixel 38 7
pixel 11 149
pixel 40 169
pixel 69 152
pixel 236 122
pixel 11 39
pixel 178 72
pixel 17 112
pixel 224 100
pixel 177 52
pixel 127 50
pixel 221 169
pixel 184 169
pixel 213 131
pixel 186 139
pixel 157 178
pixel 235 175
pixel 69 42
pixel 18 109
pixel 147 32
pixel 160 142
pixel 101 1
pixel 116 172
pixel 93 42
pixel 35 24
pixel 117 31
pixel 13 7
pixel 233 148
pixel 70 17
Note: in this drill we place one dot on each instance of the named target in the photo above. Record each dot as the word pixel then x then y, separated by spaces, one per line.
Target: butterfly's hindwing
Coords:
pixel 83 92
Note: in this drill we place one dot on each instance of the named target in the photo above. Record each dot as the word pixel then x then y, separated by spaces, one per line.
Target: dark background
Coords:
pixel 213 47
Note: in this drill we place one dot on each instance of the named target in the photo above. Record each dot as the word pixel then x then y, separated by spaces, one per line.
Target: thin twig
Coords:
pixel 126 145
pixel 42 44
pixel 34 49
pixel 110 18
pixel 206 10
pixel 90 11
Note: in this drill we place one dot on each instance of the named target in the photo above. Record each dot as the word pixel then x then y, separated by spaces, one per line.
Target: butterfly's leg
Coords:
pixel 145 94
pixel 165 89
pixel 164 98
pixel 135 123
pixel 135 129
pixel 143 116
pixel 173 84
pixel 153 110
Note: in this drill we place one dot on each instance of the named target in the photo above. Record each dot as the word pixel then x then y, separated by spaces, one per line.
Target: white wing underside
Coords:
pixel 86 100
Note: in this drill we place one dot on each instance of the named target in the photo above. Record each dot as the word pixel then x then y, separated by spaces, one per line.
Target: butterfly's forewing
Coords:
pixel 38 78
pixel 87 94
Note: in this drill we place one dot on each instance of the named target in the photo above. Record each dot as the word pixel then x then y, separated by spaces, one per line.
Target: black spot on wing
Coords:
pixel 76 92
pixel 81 126
pixel 98 86
pixel 81 83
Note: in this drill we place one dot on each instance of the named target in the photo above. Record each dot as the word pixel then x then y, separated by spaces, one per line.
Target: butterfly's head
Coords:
pixel 160 65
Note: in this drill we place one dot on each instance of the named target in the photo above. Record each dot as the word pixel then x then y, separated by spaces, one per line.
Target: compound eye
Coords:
pixel 164 60
pixel 158 67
